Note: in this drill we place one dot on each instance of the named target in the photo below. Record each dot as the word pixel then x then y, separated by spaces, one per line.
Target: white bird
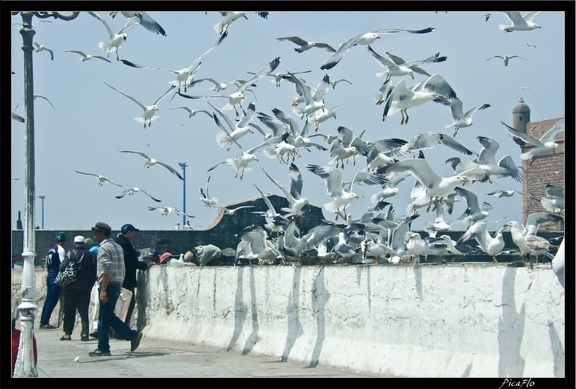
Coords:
pixel 505 58
pixel 306 45
pixel 434 186
pixel 149 161
pixel 237 97
pixel 116 39
pixel 259 245
pixel 206 199
pixel 418 246
pixel 240 164
pixel 235 131
pixel 38 47
pixel 401 98
pixel 487 16
pixel 336 82
pixel 398 67
pixel 546 145
pixel 294 195
pixel 184 76
pixel 149 114
pixel 439 223
pixel 460 118
pixel 531 45
pixel 193 112
pixel 169 210
pixel 503 193
pixel 485 166
pixel 559 265
pixel 364 39
pixel 519 22
pixel 227 18
pixel 275 222
pixel 146 20
pixel 232 211
pixel 86 57
pixel 313 100
pixel 135 189
pixel 554 200
pixel 489 244
pixel 101 179
pixel 474 211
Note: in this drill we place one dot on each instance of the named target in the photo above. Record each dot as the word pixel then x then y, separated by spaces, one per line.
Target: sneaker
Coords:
pixel 99 353
pixel 135 342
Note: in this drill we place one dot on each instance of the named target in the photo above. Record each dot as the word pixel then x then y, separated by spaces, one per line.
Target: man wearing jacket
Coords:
pixel 132 263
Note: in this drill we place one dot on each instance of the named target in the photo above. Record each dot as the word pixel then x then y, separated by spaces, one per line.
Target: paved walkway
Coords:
pixel 155 359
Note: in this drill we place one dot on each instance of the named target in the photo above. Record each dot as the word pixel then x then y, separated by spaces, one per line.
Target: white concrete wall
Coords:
pixel 464 320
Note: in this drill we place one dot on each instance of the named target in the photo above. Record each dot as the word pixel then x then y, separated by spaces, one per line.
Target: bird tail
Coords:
pixel 223 139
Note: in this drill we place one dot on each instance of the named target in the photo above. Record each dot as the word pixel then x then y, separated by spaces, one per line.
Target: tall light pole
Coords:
pixel 42 197
pixel 25 366
pixel 183 166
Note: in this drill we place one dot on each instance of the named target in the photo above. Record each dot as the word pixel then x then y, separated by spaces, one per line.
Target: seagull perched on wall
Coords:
pixel 101 179
pixel 149 161
pixel 365 39
pixel 149 114
pixel 306 45
pixel 489 244
pixel 546 145
pixel 519 22
pixel 135 189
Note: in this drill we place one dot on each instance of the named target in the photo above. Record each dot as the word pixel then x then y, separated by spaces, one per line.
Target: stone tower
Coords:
pixel 521 116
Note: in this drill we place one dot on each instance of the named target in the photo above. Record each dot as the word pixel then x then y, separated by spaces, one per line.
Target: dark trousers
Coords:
pixel 107 319
pixel 75 299
pixel 52 296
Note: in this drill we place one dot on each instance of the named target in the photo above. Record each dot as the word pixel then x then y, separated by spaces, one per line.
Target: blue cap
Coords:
pixel 127 228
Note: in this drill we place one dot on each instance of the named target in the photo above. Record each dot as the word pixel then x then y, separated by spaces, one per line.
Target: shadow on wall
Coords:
pixel 510 330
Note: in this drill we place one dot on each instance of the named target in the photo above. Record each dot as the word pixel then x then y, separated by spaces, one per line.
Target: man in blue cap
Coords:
pixel 132 263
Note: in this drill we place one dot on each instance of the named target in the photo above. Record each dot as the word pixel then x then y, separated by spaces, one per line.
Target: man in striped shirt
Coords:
pixel 110 272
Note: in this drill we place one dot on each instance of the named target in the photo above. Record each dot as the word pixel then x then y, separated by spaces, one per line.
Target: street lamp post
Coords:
pixel 183 166
pixel 42 197
pixel 25 365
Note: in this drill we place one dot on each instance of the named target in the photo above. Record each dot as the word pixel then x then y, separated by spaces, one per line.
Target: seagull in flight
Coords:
pixel 135 189
pixel 505 58
pixel 169 211
pixel 148 161
pixel 554 200
pixel 206 199
pixel 193 112
pixel 503 193
pixel 294 195
pixel 401 98
pixel 116 39
pixel 519 22
pixel 101 179
pixel 86 57
pixel 149 114
pixel 39 47
pixel 145 20
pixel 546 145
pixel 365 39
pixel 460 118
pixel 306 45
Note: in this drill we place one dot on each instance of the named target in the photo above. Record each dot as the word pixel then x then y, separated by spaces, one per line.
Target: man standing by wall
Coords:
pixel 110 277
pixel 131 262
pixel 55 256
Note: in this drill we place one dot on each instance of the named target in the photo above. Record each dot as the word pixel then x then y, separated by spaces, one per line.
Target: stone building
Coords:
pixel 540 171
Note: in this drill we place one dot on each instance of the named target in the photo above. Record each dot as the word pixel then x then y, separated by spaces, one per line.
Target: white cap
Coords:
pixel 78 239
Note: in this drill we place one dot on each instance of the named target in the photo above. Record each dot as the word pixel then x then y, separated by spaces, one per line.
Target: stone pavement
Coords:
pixel 159 359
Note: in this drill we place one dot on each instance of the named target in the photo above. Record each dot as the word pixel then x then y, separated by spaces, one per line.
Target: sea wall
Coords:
pixel 454 320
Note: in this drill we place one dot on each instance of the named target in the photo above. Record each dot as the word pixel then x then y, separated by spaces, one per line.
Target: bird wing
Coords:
pixel 448 141
pixel 127 95
pixel 146 21
pixel 529 16
pixel 554 191
pixel 45 98
pixel 339 54
pixel 88 174
pixel 494 56
pixel 508 164
pixel 286 193
pixel 420 169
pixel 110 32
pixel 386 62
pixel 266 201
pixel 325 46
pixel 149 195
pixel 164 95
pixel 488 152
pixel 331 175
pixel 294 39
pixel 130 22
pixel 263 72
pixel 552 133
pixel 521 136
pixel 471 112
pixel 296 181
pixel 171 169
pixel 457 109
pixel 471 199
pixel 143 155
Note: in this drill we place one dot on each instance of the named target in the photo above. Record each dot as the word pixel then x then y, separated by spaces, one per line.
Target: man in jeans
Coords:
pixel 110 271
pixel 53 260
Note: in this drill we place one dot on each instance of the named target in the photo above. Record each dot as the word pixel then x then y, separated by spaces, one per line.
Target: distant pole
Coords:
pixel 25 366
pixel 183 166
pixel 42 197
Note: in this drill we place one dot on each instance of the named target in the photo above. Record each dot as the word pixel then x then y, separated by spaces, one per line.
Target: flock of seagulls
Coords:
pixel 378 235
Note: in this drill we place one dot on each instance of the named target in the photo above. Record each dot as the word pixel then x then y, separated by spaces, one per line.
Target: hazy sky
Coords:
pixel 90 123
